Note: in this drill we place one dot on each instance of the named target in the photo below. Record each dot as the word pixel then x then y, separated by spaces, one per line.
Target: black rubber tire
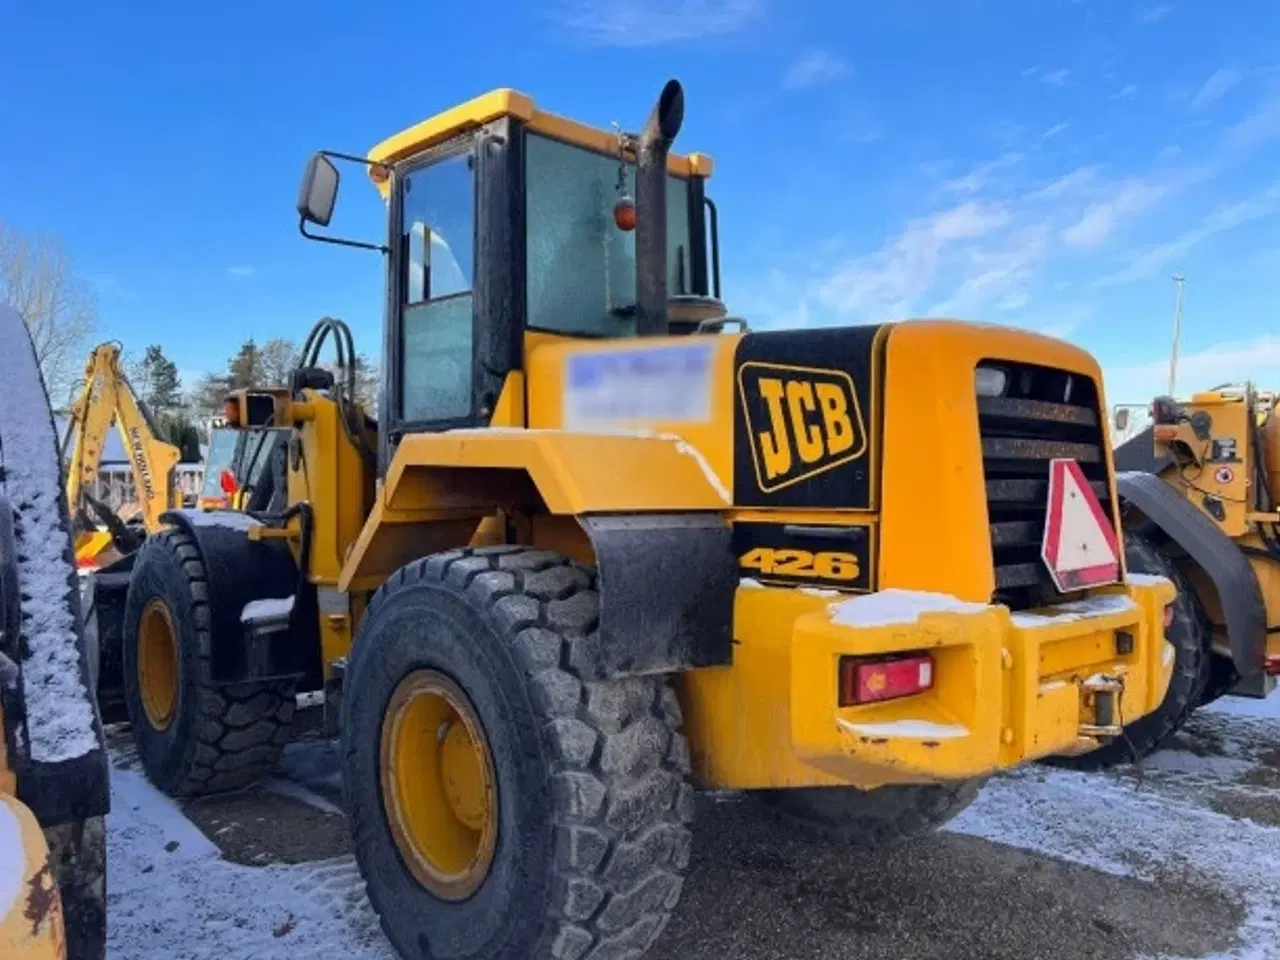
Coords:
pixel 592 777
pixel 78 855
pixel 868 819
pixel 1221 676
pixel 222 736
pixel 1190 633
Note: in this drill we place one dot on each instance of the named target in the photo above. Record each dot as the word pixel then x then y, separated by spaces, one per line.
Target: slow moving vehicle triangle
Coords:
pixel 1079 546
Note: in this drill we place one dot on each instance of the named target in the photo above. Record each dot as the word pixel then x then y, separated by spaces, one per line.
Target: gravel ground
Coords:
pixel 1180 859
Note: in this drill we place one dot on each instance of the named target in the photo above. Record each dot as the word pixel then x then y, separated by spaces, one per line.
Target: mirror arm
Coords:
pixel 302 228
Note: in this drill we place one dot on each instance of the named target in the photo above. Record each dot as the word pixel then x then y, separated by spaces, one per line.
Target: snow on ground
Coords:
pixel 171 896
pixel 1156 828
pixel 1204 815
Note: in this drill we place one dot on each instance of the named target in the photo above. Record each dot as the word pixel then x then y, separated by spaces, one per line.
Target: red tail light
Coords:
pixel 863 681
pixel 1272 667
pixel 1168 616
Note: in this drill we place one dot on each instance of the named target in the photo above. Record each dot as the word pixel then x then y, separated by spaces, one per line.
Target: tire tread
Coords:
pixel 617 761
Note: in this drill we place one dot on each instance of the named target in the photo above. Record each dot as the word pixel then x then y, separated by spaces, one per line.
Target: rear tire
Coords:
pixel 869 819
pixel 1190 634
pixel 589 779
pixel 198 737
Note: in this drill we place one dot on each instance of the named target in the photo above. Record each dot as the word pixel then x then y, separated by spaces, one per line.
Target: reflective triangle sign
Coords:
pixel 1079 545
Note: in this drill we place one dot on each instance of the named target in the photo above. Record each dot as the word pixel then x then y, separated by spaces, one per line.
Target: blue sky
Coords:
pixel 1042 163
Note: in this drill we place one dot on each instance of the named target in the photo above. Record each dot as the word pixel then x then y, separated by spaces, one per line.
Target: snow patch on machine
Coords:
pixel 897 608
pixel 267 609
pixel 60 714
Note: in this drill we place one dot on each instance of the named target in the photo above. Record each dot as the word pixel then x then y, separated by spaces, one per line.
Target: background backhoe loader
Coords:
pixel 1200 503
pixel 53 764
pixel 108 398
pixel 604 544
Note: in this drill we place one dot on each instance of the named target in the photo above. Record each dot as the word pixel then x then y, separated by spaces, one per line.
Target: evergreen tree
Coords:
pixel 245 368
pixel 155 378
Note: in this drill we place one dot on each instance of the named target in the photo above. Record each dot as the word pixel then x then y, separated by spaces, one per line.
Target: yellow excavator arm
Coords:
pixel 108 398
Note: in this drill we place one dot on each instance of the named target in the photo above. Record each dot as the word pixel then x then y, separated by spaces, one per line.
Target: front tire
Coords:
pixel 576 802
pixel 194 736
pixel 869 819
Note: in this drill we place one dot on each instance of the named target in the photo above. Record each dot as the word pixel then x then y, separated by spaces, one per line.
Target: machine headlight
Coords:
pixel 990 381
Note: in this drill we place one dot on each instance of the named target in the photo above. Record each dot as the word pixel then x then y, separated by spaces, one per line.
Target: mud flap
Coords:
pixel 667 585
pixel 1221 560
pixel 239 570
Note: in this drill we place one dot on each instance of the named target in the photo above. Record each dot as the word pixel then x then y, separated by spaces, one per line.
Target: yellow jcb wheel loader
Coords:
pixel 606 545
pixel 1200 504
pixel 54 791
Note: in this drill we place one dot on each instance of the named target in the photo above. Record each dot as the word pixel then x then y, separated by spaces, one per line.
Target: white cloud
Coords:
pixel 1068 183
pixel 1152 259
pixel 1053 131
pixel 240 271
pixel 978 178
pixel 813 69
pixel 1225 362
pixel 1152 14
pixel 639 23
pixel 1014 301
pixel 997 270
pixel 1215 88
pixel 892 279
pixel 1055 78
pixel 1125 92
pixel 1128 198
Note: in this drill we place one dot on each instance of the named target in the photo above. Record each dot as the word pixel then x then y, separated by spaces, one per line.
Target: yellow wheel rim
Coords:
pixel 438 785
pixel 158 663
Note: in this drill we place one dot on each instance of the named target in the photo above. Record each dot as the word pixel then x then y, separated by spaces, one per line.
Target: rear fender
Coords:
pixel 1222 561
pixel 650 505
pixel 238 571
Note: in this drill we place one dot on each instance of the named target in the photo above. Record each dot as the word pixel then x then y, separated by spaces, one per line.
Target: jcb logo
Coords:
pixel 802 420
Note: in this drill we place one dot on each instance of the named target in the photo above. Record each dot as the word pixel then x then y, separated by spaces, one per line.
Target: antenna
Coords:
pixel 1179 282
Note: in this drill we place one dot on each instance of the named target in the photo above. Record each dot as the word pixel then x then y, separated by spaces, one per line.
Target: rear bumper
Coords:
pixel 1009 688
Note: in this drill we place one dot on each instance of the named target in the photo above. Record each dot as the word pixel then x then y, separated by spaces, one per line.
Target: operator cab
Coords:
pixel 505 219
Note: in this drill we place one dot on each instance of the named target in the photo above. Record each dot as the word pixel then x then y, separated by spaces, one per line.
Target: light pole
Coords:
pixel 1177 333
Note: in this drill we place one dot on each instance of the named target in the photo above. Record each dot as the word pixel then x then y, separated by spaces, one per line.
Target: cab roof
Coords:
pixel 506 102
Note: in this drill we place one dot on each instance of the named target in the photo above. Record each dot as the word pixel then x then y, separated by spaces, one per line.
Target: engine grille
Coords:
pixel 1044 414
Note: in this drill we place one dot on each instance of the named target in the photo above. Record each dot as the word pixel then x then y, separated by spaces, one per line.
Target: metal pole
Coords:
pixel 1177 333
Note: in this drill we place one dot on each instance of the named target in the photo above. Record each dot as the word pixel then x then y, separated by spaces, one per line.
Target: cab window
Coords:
pixel 438 237
pixel 222 451
pixel 581 273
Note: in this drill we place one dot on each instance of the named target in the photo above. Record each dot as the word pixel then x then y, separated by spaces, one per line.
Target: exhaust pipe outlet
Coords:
pixel 651 210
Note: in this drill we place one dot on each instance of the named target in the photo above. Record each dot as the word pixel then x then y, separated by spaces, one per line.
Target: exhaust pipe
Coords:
pixel 651 210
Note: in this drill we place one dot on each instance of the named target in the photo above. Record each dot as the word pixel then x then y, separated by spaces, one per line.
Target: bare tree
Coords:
pixel 38 280
pixel 278 357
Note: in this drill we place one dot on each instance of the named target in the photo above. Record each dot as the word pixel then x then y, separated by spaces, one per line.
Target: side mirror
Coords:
pixel 1121 419
pixel 319 191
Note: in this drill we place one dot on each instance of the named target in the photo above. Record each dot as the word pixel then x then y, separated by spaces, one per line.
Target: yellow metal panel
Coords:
pixel 574 473
pixel 511 103
pixel 1229 482
pixel 772 719
pixel 931 485
pixel 546 357
pixel 335 480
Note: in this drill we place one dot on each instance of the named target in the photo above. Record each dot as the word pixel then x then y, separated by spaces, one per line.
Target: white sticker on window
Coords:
pixel 623 387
